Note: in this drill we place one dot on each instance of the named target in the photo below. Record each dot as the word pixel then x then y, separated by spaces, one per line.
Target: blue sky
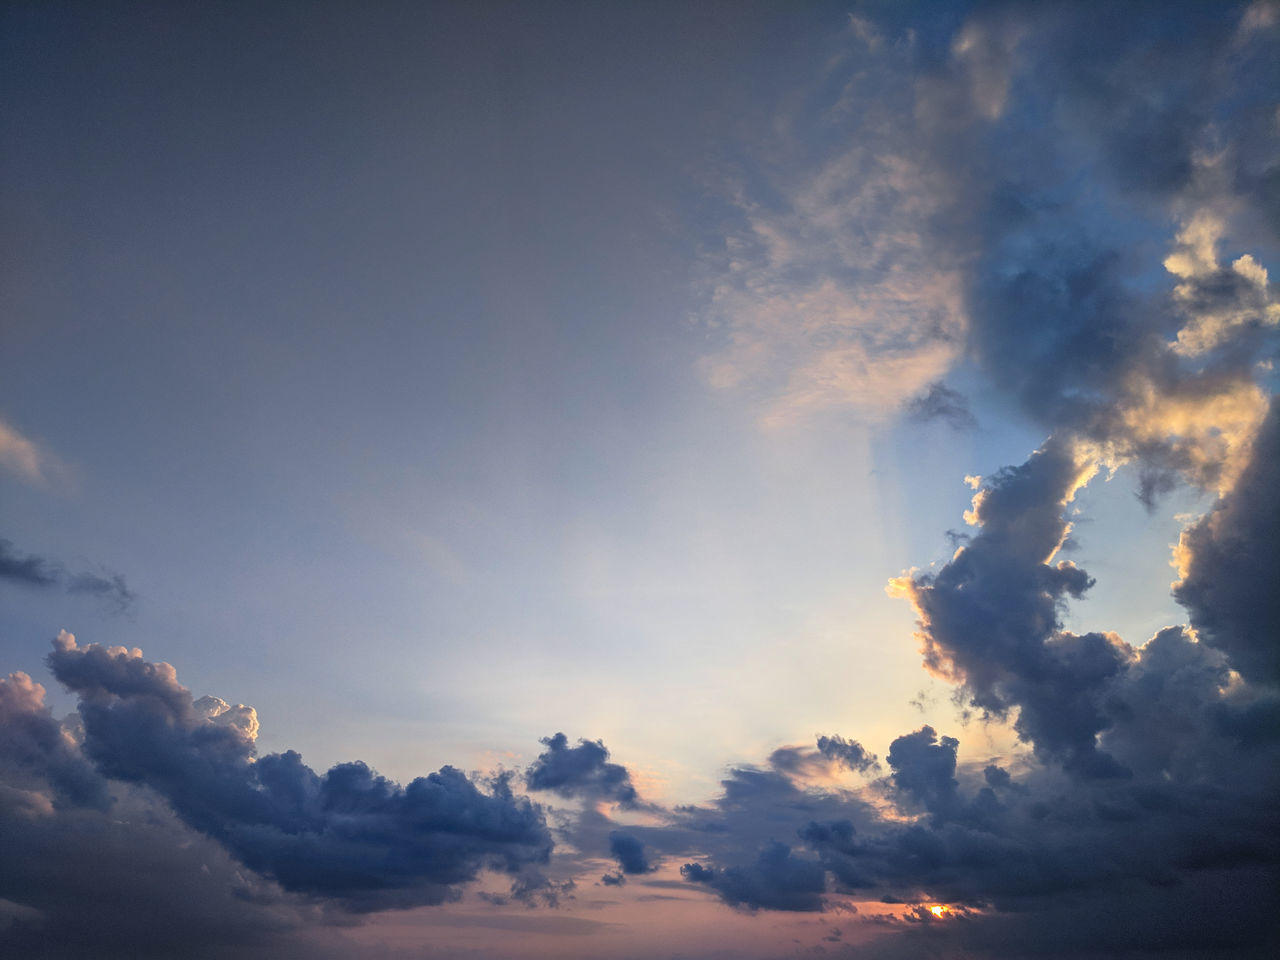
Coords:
pixel 436 379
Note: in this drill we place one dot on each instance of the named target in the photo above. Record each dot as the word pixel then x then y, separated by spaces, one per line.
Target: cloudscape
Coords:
pixel 662 481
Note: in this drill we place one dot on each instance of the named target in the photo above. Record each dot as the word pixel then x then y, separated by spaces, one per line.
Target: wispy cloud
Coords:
pixel 31 570
pixel 831 293
pixel 20 455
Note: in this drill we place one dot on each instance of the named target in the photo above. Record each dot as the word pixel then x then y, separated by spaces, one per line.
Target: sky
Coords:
pixel 661 481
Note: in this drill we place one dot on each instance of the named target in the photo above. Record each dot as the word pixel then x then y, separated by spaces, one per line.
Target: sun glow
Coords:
pixel 938 910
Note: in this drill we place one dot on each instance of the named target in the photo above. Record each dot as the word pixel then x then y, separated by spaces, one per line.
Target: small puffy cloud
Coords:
pixel 924 768
pixel 581 771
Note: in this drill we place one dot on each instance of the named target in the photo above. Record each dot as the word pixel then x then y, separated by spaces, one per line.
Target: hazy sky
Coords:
pixel 639 480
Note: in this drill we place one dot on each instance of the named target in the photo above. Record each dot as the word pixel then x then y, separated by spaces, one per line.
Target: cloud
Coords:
pixel 775 880
pixel 847 753
pixel 924 769
pixel 348 835
pixel 1229 561
pixel 629 852
pixel 21 456
pixel 581 771
pixel 991 618
pixel 940 402
pixel 1081 206
pixel 34 571
pixel 99 868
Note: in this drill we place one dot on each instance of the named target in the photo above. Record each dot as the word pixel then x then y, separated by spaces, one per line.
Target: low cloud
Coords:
pixel 775 880
pixel 1229 564
pixel 629 852
pixel 581 771
pixel 348 835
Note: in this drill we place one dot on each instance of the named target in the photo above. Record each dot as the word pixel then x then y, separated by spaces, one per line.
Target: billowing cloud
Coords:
pixel 629 852
pixel 1083 211
pixel 991 618
pixel 347 835
pixel 1229 562
pixel 581 771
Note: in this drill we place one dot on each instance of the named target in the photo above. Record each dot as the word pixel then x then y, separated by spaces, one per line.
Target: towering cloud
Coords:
pixel 1229 563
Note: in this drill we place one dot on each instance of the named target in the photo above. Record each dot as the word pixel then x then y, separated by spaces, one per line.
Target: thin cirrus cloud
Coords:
pixel 348 835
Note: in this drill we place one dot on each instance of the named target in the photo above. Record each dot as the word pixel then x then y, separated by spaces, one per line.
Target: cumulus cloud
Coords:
pixel 581 771
pixel 991 618
pixel 348 835
pixel 831 294
pixel 629 852
pixel 30 570
pixel 944 220
pixel 775 880
pixel 1229 560
pixel 1135 321
pixel 99 868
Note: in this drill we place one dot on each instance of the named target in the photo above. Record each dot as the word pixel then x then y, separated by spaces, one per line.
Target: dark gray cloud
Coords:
pixel 847 753
pixel 924 769
pixel 348 835
pixel 1062 312
pixel 942 403
pixel 775 880
pixel 581 771
pixel 629 852
pixel 34 571
pixel 103 869
pixel 37 754
pixel 991 618
pixel 1231 558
